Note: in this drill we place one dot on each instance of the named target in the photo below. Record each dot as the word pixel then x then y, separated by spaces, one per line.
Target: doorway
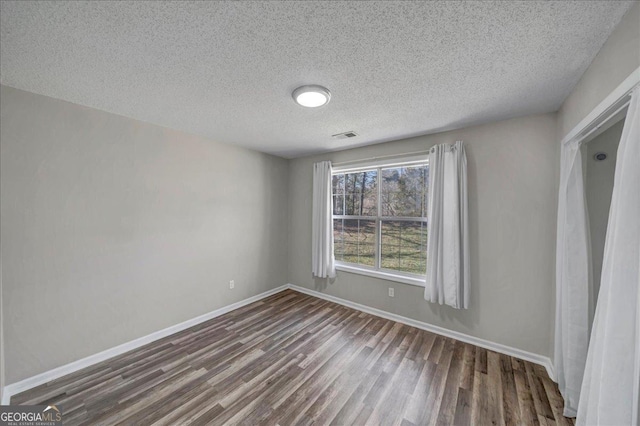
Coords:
pixel 600 159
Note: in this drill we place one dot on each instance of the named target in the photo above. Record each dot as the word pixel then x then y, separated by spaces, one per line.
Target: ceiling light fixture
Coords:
pixel 311 96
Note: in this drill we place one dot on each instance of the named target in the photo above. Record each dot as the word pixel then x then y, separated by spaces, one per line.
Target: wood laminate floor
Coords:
pixel 297 359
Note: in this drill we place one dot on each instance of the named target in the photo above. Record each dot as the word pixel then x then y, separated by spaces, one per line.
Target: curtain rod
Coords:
pixel 380 157
pixel 584 137
pixel 603 118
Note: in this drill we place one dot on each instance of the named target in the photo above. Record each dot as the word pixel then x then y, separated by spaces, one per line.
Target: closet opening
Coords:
pixel 596 250
pixel 599 154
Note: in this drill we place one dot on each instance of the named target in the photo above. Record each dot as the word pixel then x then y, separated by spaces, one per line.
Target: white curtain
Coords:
pixel 323 260
pixel 448 227
pixel 611 388
pixel 573 275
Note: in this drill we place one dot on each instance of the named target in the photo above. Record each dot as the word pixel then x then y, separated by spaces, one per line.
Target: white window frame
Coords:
pixel 377 271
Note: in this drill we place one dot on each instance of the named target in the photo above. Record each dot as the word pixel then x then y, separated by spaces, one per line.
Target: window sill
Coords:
pixel 382 275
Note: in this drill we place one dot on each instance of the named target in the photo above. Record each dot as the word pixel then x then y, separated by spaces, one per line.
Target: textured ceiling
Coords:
pixel 226 70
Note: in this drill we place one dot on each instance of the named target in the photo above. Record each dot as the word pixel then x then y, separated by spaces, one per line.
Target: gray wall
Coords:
pixel 599 187
pixel 618 57
pixel 113 229
pixel 513 168
pixel 1 338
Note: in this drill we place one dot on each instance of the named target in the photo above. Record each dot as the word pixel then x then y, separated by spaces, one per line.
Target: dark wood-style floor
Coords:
pixel 296 359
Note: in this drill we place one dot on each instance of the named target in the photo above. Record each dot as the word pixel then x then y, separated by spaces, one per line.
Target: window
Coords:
pixel 379 220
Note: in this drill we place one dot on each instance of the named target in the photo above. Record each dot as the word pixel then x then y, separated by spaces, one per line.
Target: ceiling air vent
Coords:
pixel 345 135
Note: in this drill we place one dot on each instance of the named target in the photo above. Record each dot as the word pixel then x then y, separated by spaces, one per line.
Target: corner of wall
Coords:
pixel 290 207
pixel 552 300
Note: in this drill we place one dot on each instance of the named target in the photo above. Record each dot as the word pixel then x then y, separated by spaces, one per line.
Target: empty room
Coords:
pixel 319 213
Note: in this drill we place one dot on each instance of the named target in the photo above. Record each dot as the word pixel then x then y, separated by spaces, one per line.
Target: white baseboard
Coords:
pixel 496 347
pixel 47 376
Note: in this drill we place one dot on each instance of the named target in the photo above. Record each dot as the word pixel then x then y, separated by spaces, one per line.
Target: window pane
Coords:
pixel 338 239
pixel 404 191
pixel 337 189
pixel 358 241
pixel 338 184
pixel 338 204
pixel 404 246
pixel 361 193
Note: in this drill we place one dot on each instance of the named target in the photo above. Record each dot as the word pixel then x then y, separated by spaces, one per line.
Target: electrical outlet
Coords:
pixel 391 292
pixel 232 284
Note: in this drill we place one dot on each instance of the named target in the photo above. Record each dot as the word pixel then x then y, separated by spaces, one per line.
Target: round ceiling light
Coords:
pixel 311 96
